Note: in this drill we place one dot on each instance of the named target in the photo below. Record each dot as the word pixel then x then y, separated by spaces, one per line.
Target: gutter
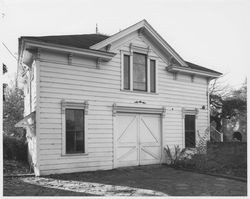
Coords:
pixel 192 71
pixel 104 56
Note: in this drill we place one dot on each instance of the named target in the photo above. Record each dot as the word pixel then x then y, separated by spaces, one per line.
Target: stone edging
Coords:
pixel 214 174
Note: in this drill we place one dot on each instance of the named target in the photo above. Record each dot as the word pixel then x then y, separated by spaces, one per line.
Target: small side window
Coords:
pixel 75 131
pixel 190 131
pixel 152 76
pixel 126 72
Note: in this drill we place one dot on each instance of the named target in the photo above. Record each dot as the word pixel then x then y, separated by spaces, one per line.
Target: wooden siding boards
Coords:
pixel 101 87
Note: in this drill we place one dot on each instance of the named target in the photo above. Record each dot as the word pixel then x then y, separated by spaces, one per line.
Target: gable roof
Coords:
pixel 148 30
pixel 78 41
pixel 95 43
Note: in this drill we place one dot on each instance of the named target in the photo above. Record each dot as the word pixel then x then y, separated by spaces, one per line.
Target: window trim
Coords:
pixel 187 111
pixel 148 58
pixel 194 130
pixel 74 105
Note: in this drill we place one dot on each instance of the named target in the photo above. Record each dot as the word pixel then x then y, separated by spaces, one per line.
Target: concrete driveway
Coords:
pixel 154 180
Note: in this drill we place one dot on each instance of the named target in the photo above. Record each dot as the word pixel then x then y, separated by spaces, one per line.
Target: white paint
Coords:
pixel 138 139
pixel 81 81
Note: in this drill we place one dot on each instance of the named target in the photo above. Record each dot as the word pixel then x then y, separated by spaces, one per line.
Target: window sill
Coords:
pixel 139 92
pixel 74 154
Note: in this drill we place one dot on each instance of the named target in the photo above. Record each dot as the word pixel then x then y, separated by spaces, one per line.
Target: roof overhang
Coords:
pixel 27 46
pixel 144 27
pixel 27 121
pixel 176 69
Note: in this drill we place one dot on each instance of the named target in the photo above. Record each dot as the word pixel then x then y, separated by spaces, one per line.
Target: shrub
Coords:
pixel 186 158
pixel 173 156
pixel 14 148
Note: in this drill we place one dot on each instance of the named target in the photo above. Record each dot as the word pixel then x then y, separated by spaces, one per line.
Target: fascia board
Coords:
pixel 135 27
pixel 20 54
pixel 118 35
pixel 92 53
pixel 162 41
pixel 193 71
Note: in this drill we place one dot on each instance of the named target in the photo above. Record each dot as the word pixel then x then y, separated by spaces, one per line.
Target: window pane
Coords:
pixel 152 76
pixel 139 59
pixel 70 141
pixel 79 141
pixel 189 131
pixel 126 72
pixel 70 124
pixel 139 72
pixel 79 120
pixel 190 139
pixel 74 131
pixel 190 122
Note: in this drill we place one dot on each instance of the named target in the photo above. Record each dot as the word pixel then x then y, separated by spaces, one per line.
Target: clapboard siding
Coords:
pixel 101 87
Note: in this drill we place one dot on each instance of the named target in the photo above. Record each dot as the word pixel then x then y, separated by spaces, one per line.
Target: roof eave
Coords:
pixel 117 35
pixel 151 31
pixel 105 56
pixel 193 71
pixel 28 120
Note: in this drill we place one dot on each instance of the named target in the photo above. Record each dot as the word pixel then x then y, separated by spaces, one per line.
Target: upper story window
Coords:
pixel 152 76
pixel 139 73
pixel 126 72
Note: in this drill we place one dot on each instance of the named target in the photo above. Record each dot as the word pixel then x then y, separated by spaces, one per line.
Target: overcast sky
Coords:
pixel 213 34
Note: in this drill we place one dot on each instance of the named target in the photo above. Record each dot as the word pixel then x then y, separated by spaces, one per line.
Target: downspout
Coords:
pixel 208 106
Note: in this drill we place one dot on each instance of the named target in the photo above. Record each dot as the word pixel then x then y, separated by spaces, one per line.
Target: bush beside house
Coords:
pixel 229 158
pixel 14 148
pixel 14 139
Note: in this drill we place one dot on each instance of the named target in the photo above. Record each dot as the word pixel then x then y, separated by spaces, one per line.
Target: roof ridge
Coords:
pixel 99 34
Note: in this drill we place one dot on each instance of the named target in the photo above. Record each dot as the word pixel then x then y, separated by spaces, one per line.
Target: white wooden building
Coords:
pixel 96 102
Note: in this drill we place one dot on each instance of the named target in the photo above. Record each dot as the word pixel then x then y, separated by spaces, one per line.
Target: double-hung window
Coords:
pixel 73 127
pixel 139 73
pixel 190 131
pixel 75 131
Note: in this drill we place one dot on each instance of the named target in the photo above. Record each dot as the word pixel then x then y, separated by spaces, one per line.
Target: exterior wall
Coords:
pixel 82 81
pixel 33 87
pixel 30 90
pixel 30 106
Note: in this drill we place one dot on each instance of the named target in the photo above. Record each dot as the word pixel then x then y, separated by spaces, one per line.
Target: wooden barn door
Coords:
pixel 150 139
pixel 138 139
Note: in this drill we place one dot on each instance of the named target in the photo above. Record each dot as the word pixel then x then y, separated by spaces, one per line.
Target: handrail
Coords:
pixel 221 134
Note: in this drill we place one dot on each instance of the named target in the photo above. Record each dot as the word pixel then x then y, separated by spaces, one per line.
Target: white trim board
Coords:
pixel 145 28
